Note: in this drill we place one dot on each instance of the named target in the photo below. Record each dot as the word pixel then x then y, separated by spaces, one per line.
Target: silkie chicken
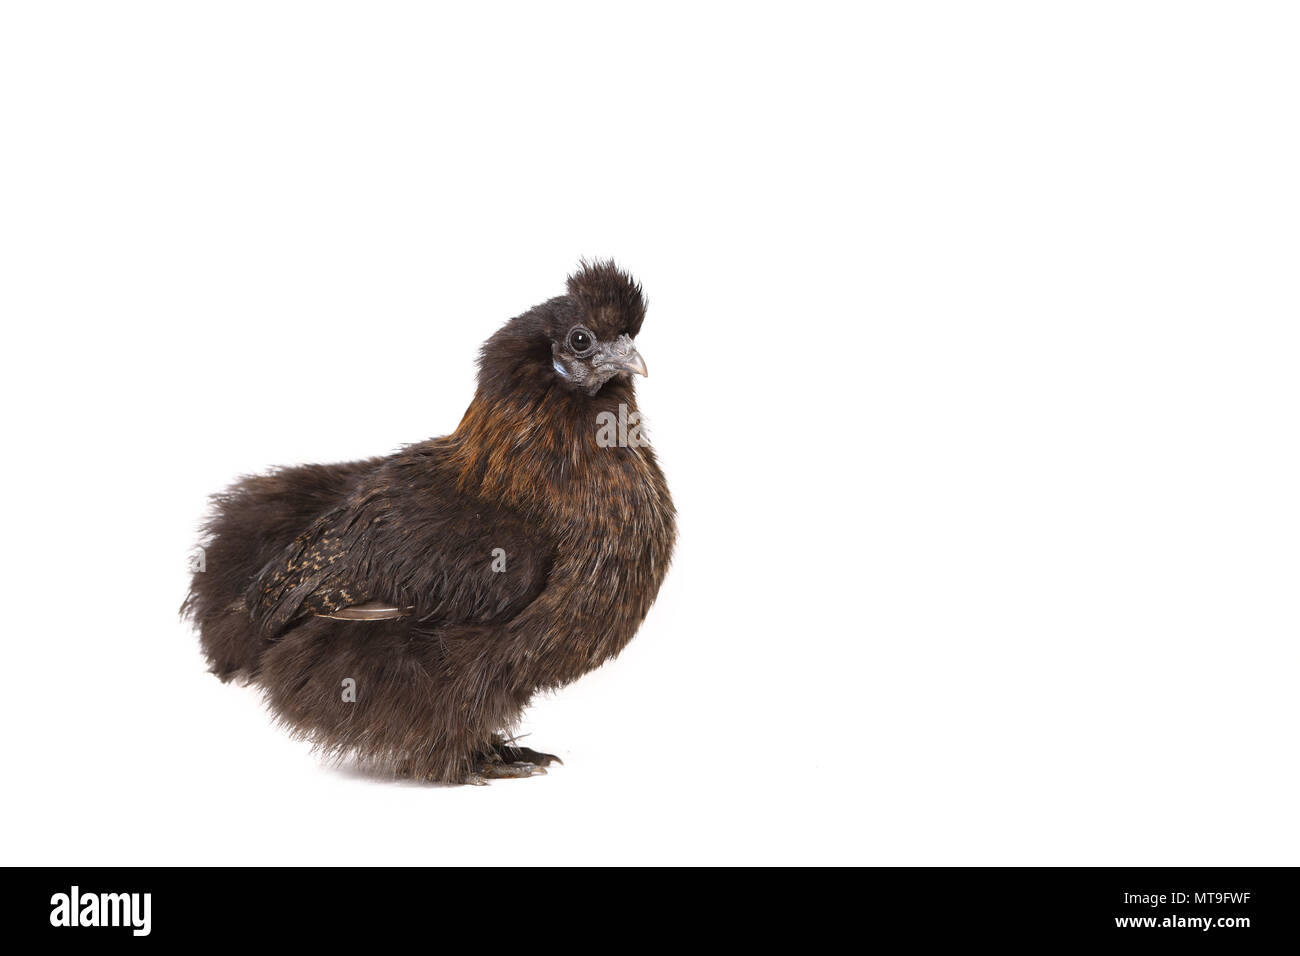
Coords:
pixel 405 609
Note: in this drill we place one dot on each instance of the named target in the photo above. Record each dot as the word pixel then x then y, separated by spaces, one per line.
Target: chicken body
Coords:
pixel 522 549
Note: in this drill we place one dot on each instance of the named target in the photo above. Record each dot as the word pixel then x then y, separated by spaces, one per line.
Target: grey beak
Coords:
pixel 633 362
pixel 622 355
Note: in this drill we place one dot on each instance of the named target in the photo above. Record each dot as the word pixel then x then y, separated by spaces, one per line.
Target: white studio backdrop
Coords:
pixel 973 347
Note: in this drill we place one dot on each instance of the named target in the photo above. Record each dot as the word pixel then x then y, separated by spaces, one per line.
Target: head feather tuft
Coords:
pixel 609 299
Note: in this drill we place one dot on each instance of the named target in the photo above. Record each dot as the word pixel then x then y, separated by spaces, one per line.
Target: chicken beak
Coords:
pixel 622 356
pixel 633 362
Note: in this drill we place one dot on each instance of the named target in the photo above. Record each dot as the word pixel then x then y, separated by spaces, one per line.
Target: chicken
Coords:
pixel 405 609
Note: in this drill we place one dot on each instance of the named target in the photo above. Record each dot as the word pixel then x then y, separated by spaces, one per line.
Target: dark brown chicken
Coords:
pixel 511 556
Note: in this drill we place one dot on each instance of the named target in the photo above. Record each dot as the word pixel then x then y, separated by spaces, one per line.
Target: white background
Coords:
pixel 973 351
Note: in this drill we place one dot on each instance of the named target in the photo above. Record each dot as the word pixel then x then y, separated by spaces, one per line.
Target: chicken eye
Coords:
pixel 580 340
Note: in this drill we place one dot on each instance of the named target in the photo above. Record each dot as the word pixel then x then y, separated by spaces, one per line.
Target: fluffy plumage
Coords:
pixel 587 533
